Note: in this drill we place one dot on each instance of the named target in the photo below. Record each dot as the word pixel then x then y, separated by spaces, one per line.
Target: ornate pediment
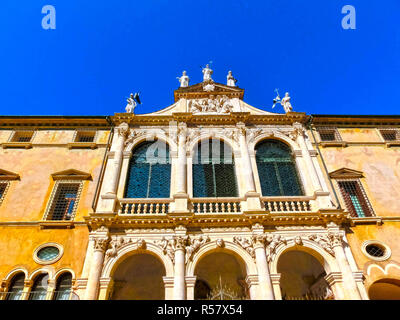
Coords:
pixel 345 173
pixel 71 174
pixel 205 89
pixel 8 175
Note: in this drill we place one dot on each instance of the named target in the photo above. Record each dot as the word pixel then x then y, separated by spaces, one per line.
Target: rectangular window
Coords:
pixel 329 134
pixel 85 136
pixel 64 202
pixel 355 198
pixel 3 187
pixel 390 134
pixel 22 136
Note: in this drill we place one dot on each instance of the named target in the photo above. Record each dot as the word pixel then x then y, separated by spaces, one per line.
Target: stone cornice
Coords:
pixel 35 122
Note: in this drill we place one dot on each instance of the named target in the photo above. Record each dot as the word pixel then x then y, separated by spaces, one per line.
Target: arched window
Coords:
pixel 214 170
pixel 63 287
pixel 16 287
pixel 277 170
pixel 149 173
pixel 39 288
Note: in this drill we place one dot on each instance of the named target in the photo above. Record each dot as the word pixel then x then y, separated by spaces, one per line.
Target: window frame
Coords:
pixel 367 203
pixel 7 186
pixel 15 133
pixel 338 137
pixel 396 131
pixel 52 199
pixel 78 132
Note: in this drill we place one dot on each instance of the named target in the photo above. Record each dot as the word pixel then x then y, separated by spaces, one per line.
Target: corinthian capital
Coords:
pixel 259 241
pixel 123 129
pixel 336 239
pixel 101 244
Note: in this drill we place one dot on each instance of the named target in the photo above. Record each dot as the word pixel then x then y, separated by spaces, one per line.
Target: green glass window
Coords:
pixel 149 173
pixel 277 170
pixel 16 287
pixel 39 288
pixel 214 170
pixel 48 253
pixel 63 287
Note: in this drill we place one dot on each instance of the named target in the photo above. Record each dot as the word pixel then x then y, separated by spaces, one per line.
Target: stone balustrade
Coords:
pixel 143 206
pixel 287 204
pixel 216 205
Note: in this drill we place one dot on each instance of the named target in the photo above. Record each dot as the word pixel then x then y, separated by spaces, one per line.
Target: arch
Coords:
pixel 60 272
pixel 39 286
pixel 277 169
pixel 310 247
pixel 157 135
pixel 385 289
pixel 112 264
pixel 275 135
pixel 16 286
pixel 63 286
pixel 214 170
pixel 213 135
pixel 149 177
pixel 47 269
pixel 229 247
pixel 15 271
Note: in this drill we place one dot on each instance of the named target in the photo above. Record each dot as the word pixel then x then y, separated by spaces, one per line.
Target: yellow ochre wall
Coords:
pixel 380 165
pixel 25 202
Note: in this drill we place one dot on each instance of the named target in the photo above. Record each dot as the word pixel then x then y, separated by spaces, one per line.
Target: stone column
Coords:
pixel 190 285
pixel 122 131
pixel 264 279
pixel 252 283
pixel 179 269
pixel 181 181
pixel 169 287
pixel 276 284
pixel 252 197
pixel 299 134
pixel 349 284
pixel 100 246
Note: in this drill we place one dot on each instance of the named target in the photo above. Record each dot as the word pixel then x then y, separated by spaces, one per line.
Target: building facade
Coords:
pixel 208 197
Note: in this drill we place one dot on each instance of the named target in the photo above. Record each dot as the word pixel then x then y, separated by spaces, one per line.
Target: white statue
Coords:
pixel 230 80
pixel 184 80
pixel 130 107
pixel 286 103
pixel 207 72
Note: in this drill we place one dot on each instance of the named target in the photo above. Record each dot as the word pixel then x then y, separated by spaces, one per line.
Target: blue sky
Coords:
pixel 101 51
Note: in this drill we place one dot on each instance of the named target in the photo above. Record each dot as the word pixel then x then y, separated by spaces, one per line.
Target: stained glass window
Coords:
pixel 149 173
pixel 214 170
pixel 16 287
pixel 277 170
pixel 63 287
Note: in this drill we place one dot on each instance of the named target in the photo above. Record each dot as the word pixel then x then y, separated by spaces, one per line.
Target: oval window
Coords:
pixel 48 253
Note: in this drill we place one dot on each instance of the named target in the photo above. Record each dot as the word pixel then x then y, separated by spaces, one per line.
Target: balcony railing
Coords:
pixel 39 295
pixel 287 204
pixel 144 206
pixel 216 205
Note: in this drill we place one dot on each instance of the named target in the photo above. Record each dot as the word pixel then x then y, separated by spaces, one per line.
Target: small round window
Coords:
pixel 48 253
pixel 376 250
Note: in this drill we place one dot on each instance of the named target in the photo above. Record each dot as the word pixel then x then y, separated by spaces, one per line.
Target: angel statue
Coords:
pixel 284 102
pixel 133 100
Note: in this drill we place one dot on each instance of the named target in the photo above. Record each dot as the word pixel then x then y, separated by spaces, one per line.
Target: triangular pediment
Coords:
pixel 8 175
pixel 346 173
pixel 205 89
pixel 71 174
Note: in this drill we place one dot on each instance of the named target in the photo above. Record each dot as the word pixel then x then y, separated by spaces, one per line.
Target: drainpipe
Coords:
pixel 308 125
pixel 101 176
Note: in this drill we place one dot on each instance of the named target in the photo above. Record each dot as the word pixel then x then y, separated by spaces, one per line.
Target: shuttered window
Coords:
pixel 277 170
pixel 355 198
pixel 214 170
pixel 149 173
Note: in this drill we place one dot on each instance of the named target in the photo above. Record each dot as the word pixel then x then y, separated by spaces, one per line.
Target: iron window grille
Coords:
pixel 214 170
pixel 22 136
pixel 390 135
pixel 64 201
pixel 85 136
pixel 3 190
pixel 355 198
pixel 149 172
pixel 375 250
pixel 277 170
pixel 328 134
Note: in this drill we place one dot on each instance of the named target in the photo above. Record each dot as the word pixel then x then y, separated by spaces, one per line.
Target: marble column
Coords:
pixel 299 133
pixel 264 279
pixel 100 246
pixel 246 162
pixel 349 284
pixel 181 179
pixel 121 131
pixel 179 269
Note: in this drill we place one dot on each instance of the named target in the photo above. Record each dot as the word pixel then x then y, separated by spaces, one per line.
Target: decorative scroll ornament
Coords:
pixel 123 129
pixel 220 243
pixel 193 134
pixel 190 246
pixel 246 244
pixel 208 87
pixel 132 136
pixel 273 241
pixel 216 105
pixel 254 134
pixel 119 243
pixel 324 242
pixel 298 130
